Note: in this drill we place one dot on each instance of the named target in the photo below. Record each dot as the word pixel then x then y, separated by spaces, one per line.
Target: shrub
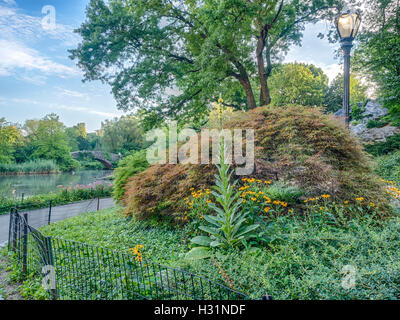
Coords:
pixel 376 123
pixel 129 166
pixel 297 146
pixel 381 148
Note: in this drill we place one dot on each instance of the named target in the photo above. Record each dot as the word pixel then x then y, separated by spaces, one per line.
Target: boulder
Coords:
pixel 373 110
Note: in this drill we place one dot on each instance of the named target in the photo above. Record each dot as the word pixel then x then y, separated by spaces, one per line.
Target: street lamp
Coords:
pixel 347 25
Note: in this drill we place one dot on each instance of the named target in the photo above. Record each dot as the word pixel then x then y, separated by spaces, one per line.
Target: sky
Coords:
pixel 37 77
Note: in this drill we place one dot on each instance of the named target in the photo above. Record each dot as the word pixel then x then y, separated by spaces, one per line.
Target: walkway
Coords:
pixel 38 218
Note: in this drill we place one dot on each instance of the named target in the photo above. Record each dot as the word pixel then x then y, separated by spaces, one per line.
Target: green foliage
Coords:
pixel 63 196
pixel 36 166
pixel 389 167
pixel 377 123
pixel 381 148
pixel 122 135
pixel 10 138
pixel 129 166
pixel 132 45
pixel 281 192
pixel 229 227
pixel 298 83
pixel 333 100
pixel 48 141
pixel 378 52
pixel 304 258
pixel 356 112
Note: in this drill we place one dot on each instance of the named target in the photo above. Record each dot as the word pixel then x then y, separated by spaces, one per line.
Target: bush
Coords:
pixel 36 166
pixel 381 148
pixel 376 123
pixel 129 166
pixel 298 146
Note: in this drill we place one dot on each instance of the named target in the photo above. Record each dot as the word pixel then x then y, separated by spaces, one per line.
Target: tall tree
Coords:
pixel 10 137
pixel 122 134
pixel 49 141
pixel 171 58
pixel 333 100
pixel 378 52
pixel 298 83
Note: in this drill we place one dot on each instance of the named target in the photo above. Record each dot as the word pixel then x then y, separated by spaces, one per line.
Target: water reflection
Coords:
pixel 15 186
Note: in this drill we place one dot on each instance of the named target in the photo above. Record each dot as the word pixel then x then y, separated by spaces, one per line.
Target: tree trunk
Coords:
pixel 251 101
pixel 264 98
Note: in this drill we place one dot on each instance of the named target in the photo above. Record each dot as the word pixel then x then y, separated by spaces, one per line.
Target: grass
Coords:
pixel 303 259
pixel 30 167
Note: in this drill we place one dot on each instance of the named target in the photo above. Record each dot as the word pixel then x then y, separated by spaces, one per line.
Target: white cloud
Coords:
pixel 15 56
pixel 85 110
pixel 72 93
pixel 17 25
pixel 10 2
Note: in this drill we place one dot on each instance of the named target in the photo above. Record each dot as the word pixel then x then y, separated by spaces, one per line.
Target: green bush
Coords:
pixel 381 148
pixel 379 123
pixel 36 166
pixel 129 166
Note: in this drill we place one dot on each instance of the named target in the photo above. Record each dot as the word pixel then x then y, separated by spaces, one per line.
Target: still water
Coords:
pixel 29 185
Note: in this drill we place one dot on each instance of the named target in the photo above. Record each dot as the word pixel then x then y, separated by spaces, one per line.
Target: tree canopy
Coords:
pixel 298 83
pixel 378 52
pixel 171 59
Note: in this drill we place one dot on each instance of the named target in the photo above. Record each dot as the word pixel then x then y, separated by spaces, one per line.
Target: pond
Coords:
pixel 29 185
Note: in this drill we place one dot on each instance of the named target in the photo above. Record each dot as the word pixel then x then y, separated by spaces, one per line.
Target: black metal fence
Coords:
pixel 71 270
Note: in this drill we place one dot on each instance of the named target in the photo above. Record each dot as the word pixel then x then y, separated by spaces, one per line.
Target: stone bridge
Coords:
pixel 99 156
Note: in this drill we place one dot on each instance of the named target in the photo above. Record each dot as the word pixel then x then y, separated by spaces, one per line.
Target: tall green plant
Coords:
pixel 229 227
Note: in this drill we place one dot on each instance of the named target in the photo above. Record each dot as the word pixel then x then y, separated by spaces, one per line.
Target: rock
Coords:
pixel 358 129
pixel 379 134
pixel 373 110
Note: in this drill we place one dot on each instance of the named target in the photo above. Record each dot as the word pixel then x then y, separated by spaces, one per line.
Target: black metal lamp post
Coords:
pixel 347 25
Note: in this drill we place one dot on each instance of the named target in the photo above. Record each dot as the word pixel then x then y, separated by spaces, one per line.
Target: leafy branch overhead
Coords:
pixel 171 59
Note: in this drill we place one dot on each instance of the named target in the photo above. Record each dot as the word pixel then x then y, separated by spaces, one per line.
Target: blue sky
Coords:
pixel 37 77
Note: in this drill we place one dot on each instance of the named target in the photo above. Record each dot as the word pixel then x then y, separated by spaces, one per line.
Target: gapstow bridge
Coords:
pixel 105 158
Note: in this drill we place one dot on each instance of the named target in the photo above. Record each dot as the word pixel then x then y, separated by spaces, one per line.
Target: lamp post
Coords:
pixel 347 25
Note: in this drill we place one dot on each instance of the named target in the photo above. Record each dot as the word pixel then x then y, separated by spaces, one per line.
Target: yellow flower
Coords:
pixel 253 199
pixel 360 199
pixel 326 196
pixel 220 100
pixel 266 209
pixel 372 204
pixel 346 202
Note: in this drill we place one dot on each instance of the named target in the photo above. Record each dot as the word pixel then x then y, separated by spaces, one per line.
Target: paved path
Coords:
pixel 38 218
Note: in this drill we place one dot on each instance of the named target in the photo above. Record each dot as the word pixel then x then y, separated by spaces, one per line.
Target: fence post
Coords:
pixel 25 247
pixel 14 231
pixel 50 261
pixel 51 204
pixel 98 203
pixel 10 228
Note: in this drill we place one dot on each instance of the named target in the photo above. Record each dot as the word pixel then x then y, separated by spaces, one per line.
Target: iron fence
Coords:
pixel 81 271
